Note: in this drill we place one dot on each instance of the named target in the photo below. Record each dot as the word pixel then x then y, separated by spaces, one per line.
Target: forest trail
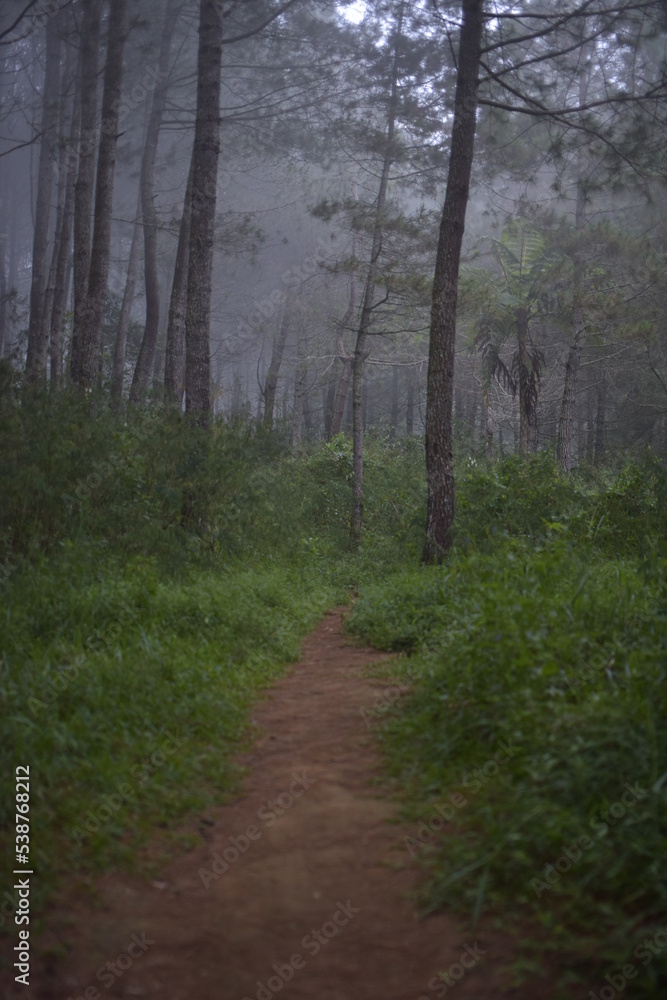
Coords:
pixel 330 866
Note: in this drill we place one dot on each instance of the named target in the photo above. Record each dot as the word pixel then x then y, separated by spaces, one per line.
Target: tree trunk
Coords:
pixel 527 393
pixel 343 386
pixel 271 383
pixel 83 191
pixel 342 392
pixel 146 357
pixel 124 318
pixel 440 379
pixel 487 416
pixel 566 420
pixel 410 404
pixel 360 352
pixel 393 419
pixel 93 313
pixel 174 363
pixel 600 421
pixel 308 416
pixel 202 227
pixel 60 288
pixel 590 426
pixel 38 330
pixel 299 394
pixel 3 292
pixel 328 397
pixel 60 232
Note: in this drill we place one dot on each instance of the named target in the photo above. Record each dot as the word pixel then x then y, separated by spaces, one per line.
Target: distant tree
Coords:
pixel 36 362
pixel 521 60
pixel 83 190
pixel 146 357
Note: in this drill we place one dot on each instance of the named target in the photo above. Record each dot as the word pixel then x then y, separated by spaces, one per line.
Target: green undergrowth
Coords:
pixel 532 751
pixel 153 579
pixel 138 624
pixel 127 694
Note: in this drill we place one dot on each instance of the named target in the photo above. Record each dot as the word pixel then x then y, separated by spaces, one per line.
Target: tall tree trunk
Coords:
pixel 125 315
pixel 299 393
pixel 600 420
pixel 63 247
pixel 146 357
pixel 342 392
pixel 328 396
pixel 64 153
pixel 393 418
pixel 3 291
pixel 360 352
pixel 174 364
pixel 202 227
pixel 83 190
pixel 440 380
pixel 91 330
pixel 566 418
pixel 487 417
pixel 38 330
pixel 271 382
pixel 12 276
pixel 343 385
pixel 527 393
pixel 590 426
pixel 410 404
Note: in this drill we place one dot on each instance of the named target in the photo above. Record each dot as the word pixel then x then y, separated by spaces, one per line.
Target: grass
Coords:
pixel 551 640
pixel 133 638
pixel 138 627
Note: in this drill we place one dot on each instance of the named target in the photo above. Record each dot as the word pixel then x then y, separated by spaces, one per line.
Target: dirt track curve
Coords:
pixel 301 889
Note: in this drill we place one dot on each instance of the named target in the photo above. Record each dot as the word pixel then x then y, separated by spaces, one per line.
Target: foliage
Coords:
pixel 123 621
pixel 546 632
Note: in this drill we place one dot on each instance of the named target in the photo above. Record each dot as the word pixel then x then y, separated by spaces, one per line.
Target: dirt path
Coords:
pixel 313 902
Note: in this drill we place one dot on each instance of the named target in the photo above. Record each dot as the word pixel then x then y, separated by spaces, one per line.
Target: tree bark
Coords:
pixel 410 404
pixel 600 421
pixel 527 395
pixel 343 385
pixel 487 417
pixel 38 330
pixel 124 318
pixel 299 394
pixel 440 379
pixel 204 189
pixel 566 418
pixel 93 313
pixel 360 352
pixel 174 364
pixel 83 190
pixel 146 357
pixel 60 288
pixel 393 419
pixel 271 382
pixel 3 291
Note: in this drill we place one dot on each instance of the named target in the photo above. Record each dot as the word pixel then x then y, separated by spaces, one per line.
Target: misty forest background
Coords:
pixel 305 302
